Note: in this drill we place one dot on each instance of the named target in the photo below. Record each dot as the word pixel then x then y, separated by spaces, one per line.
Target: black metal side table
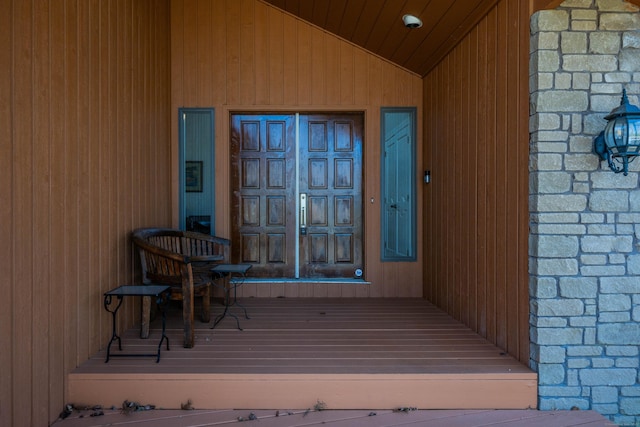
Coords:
pixel 221 271
pixel 161 292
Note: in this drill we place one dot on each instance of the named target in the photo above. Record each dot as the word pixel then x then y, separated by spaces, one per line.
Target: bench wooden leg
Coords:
pixel 145 317
pixel 187 313
pixel 206 304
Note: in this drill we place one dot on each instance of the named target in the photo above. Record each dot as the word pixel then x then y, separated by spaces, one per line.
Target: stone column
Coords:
pixel 584 219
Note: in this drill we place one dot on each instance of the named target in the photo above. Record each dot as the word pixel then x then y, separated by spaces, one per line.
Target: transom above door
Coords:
pixel 297 194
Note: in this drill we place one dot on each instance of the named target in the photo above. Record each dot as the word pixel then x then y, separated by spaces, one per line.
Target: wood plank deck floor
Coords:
pixel 319 336
pixel 349 353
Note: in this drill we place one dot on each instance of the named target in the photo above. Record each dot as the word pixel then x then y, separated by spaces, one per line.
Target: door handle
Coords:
pixel 303 213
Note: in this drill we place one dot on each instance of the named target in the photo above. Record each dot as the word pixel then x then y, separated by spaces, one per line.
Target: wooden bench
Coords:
pixel 181 259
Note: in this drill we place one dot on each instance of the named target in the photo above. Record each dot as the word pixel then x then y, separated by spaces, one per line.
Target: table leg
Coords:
pixel 114 334
pixel 227 304
pixel 162 303
pixel 235 296
pixel 226 311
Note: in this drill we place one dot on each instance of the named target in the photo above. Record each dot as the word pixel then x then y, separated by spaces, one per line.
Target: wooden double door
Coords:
pixel 297 194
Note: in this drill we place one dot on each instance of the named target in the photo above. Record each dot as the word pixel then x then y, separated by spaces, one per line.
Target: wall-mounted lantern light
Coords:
pixel 619 142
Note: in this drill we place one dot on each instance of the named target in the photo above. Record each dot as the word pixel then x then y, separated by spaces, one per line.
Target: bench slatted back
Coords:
pixel 173 256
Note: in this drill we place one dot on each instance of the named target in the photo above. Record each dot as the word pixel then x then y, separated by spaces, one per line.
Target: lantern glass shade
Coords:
pixel 622 135
pixel 634 134
pixel 619 143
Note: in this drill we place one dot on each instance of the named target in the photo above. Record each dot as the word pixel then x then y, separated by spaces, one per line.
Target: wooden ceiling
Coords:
pixel 377 26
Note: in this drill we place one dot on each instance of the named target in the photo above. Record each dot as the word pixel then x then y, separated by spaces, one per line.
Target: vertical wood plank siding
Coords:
pixel 89 95
pixel 249 56
pixel 84 158
pixel 476 210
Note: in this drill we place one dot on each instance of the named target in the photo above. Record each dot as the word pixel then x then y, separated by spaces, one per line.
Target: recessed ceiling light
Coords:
pixel 411 21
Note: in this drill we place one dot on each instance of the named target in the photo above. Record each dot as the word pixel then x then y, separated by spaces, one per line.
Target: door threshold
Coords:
pixel 318 280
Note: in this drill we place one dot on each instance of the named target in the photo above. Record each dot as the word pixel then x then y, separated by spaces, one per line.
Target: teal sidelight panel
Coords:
pixel 197 174
pixel 398 184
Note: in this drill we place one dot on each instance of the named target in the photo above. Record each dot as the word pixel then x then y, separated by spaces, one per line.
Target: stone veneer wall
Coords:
pixel 584 219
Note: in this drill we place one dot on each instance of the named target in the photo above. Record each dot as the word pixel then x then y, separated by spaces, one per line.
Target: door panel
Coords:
pixel 327 161
pixel 262 173
pixel 331 175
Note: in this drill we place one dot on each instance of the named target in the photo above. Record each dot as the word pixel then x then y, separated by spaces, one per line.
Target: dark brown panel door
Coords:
pixel 331 180
pixel 263 194
pixel 273 178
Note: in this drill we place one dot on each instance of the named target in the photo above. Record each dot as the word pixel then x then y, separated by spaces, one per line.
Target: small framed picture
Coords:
pixel 193 176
